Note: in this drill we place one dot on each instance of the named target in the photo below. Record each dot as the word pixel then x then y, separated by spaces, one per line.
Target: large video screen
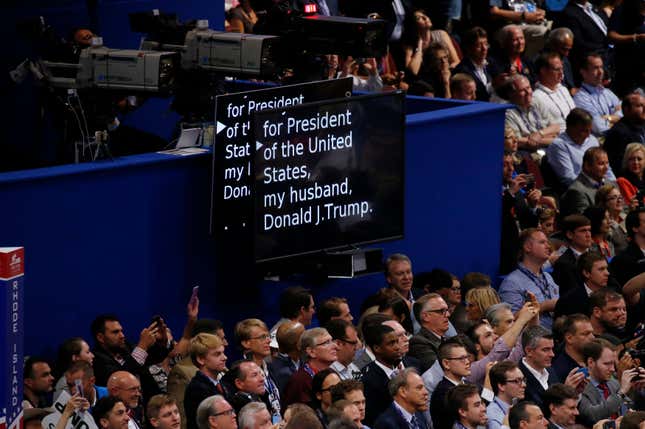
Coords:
pixel 328 175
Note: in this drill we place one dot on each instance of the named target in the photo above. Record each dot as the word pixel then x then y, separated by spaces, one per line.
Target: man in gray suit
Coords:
pixel 432 312
pixel 604 397
pixel 582 192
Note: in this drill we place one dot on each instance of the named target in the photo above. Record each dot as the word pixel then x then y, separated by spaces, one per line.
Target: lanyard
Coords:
pixel 309 370
pixel 541 282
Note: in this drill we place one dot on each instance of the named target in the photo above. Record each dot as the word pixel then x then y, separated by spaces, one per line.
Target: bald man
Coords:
pixel 126 387
pixel 287 361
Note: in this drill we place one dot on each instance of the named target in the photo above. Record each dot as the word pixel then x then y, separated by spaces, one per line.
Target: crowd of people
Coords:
pixel 558 343
pixel 428 351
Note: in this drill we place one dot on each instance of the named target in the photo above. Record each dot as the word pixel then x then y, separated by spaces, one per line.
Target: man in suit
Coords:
pixel 215 412
pixel 475 61
pixel 184 371
pixel 631 262
pixel 589 28
pixel 126 387
pixel 455 363
pixel 365 356
pixel 594 274
pixel 466 407
pixel 410 400
pixel 287 361
pixel 582 192
pixel 577 332
pixel 526 415
pixel 577 229
pixel 319 351
pixel 631 128
pixel 561 406
pixel 536 364
pixel 385 344
pixel 432 312
pixel 604 397
pixel 346 338
pixel 207 353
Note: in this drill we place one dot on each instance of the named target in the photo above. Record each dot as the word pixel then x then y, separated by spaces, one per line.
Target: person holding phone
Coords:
pixel 605 397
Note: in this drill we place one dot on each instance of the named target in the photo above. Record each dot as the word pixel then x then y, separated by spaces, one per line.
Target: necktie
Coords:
pixel 414 423
pixel 605 395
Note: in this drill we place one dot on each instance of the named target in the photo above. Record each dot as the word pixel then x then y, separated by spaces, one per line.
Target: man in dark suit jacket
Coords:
pixel 560 406
pixel 582 192
pixel 604 396
pixel 536 365
pixel 577 229
pixel 454 361
pixel 385 344
pixel 589 28
pixel 474 63
pixel 287 361
pixel 631 261
pixel 592 269
pixel 577 332
pixel 410 400
pixel 629 129
pixel 207 353
pixel 432 313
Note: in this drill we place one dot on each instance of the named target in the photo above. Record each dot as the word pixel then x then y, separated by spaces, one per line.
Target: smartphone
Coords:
pixel 583 370
pixel 156 320
pixel 609 425
pixel 530 182
pixel 79 386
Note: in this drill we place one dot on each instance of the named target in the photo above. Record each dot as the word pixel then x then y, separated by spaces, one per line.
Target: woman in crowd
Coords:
pixel 600 231
pixel 321 388
pixel 609 197
pixel 631 180
pixel 478 300
pixel 72 350
pixel 417 40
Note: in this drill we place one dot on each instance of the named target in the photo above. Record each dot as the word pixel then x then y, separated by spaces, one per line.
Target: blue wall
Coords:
pixel 130 236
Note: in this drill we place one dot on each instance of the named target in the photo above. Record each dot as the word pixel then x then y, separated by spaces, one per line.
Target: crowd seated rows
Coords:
pixel 428 350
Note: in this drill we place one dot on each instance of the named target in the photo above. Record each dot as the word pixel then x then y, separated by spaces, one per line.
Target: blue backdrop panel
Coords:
pixel 130 236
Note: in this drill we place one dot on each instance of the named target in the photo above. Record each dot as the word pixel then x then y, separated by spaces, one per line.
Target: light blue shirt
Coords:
pixel 565 157
pixel 598 101
pixel 496 411
pixel 514 287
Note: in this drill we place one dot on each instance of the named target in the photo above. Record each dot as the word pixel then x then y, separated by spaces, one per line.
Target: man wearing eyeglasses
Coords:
pixel 347 342
pixel 319 351
pixel 126 387
pixel 508 384
pixel 255 342
pixel 455 362
pixel 432 312
pixel 215 412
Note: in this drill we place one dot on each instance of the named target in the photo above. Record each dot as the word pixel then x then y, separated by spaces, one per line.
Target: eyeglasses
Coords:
pixel 461 358
pixel 615 197
pixel 228 412
pixel 520 380
pixel 324 343
pixel 351 343
pixel 262 337
pixel 455 289
pixel 439 311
